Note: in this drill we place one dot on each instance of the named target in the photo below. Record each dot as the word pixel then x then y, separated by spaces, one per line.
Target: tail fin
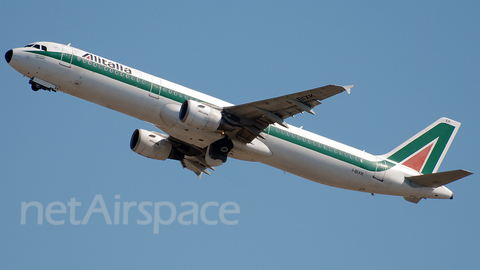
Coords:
pixel 425 151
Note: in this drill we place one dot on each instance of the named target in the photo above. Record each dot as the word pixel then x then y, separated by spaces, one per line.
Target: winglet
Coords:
pixel 348 88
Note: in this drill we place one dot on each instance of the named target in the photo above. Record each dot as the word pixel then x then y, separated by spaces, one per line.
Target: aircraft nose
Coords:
pixel 8 56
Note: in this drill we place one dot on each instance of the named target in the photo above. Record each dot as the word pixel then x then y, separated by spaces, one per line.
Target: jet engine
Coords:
pixel 202 116
pixel 152 145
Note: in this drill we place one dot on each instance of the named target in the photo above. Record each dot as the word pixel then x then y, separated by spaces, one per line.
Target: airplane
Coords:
pixel 202 132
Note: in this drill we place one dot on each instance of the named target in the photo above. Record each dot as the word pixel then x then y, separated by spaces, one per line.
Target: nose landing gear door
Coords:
pixel 67 56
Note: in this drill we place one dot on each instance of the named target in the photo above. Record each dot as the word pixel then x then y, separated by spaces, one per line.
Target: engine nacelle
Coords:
pixel 204 117
pixel 150 144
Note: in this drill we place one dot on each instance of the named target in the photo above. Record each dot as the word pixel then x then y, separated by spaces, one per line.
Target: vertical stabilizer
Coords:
pixel 425 151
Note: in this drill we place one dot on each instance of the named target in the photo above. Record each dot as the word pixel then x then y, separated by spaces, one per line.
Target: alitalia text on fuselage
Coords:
pixel 107 63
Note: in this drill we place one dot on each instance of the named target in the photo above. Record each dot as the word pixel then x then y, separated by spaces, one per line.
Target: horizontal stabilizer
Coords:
pixel 438 179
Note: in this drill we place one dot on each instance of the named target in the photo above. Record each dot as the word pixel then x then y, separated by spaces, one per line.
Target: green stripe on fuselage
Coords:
pixel 329 151
pixel 180 97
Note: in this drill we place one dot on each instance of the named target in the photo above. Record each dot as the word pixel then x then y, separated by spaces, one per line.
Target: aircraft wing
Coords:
pixel 250 119
pixel 254 117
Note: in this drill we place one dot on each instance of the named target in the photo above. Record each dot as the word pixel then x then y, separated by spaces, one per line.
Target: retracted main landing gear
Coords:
pixel 217 152
pixel 219 149
pixel 38 84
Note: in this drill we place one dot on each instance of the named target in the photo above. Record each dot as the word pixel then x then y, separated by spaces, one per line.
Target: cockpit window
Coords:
pixel 37 46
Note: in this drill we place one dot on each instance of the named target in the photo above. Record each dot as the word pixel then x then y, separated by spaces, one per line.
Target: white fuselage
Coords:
pixel 158 102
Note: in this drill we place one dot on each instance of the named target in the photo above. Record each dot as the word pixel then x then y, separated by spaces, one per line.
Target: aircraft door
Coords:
pixel 67 56
pixel 156 88
pixel 380 170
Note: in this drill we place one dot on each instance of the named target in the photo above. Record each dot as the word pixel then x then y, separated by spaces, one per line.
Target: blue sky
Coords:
pixel 412 62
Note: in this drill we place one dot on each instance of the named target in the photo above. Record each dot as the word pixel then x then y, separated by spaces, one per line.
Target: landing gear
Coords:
pixel 38 84
pixel 219 149
pixel 35 86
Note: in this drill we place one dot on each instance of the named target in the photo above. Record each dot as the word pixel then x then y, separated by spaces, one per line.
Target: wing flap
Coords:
pixel 195 166
pixel 438 179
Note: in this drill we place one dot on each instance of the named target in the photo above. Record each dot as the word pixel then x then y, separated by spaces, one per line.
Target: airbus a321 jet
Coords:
pixel 202 132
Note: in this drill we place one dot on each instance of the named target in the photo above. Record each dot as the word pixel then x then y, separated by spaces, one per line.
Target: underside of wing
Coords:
pixel 254 117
